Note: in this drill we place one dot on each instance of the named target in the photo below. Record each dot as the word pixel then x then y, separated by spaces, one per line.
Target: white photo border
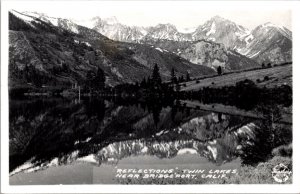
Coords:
pixel 6 5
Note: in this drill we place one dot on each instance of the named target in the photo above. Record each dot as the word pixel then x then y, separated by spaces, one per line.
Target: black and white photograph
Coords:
pixel 148 93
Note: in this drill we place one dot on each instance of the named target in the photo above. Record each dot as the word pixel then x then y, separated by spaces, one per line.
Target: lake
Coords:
pixel 106 141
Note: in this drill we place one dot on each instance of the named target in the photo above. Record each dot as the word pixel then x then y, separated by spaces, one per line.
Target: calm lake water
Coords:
pixel 61 141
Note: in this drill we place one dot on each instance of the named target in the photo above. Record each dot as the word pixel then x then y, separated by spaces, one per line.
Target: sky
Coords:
pixel 185 14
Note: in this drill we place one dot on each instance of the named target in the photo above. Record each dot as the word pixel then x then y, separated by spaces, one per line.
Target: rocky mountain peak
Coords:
pixel 218 18
pixel 167 27
pixel 269 27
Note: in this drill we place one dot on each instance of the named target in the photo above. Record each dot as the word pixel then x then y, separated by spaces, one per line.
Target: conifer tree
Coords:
pixel 219 70
pixel 100 79
pixel 156 79
pixel 173 76
pixel 188 77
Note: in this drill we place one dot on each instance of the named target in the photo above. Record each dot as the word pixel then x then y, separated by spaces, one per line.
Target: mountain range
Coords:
pixel 265 43
pixel 64 50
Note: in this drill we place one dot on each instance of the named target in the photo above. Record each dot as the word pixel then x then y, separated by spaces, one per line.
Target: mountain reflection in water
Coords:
pixel 46 133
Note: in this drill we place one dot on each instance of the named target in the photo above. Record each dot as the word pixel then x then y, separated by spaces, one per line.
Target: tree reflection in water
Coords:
pixel 41 130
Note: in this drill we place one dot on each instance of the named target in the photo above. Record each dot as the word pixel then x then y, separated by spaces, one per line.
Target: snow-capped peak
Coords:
pixel 43 17
pixel 35 14
pixel 217 18
pixel 283 30
pixel 269 24
pixel 167 27
pixel 22 16
pixel 37 17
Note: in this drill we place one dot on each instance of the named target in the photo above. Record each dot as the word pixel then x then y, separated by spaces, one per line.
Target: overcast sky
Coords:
pixel 149 13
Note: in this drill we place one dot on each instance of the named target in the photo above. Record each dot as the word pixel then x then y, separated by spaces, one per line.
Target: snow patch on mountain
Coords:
pixel 143 31
pixel 245 51
pixel 53 21
pixel 159 49
pixel 73 28
pixel 249 38
pixel 22 16
pixel 242 34
pixel 58 22
pixel 212 29
pixel 25 18
pixel 87 44
pixel 253 55
pixel 212 39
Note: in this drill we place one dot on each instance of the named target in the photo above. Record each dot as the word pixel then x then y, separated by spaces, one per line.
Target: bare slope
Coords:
pixel 269 77
pixel 59 52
